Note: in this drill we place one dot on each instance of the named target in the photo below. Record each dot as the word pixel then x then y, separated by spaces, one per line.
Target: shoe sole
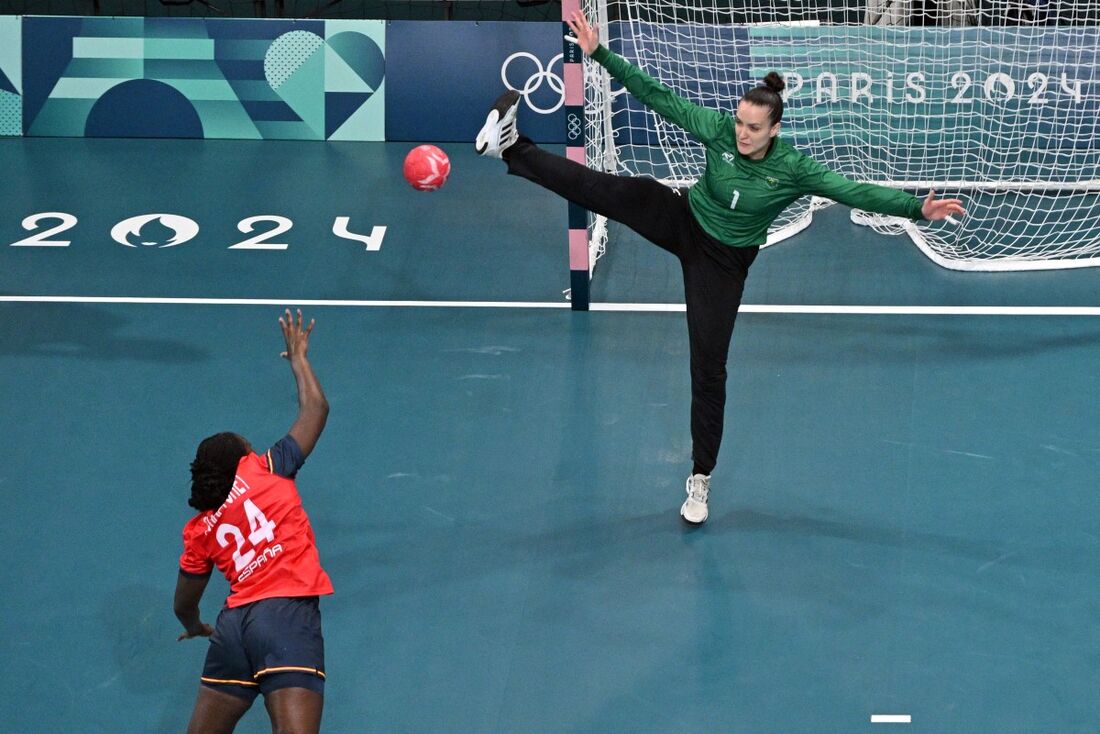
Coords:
pixel 694 523
pixel 500 108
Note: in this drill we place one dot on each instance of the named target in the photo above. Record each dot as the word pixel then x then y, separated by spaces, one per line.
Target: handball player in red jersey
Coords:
pixel 252 527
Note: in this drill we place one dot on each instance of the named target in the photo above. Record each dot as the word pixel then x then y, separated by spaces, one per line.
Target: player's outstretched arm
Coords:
pixel 186 605
pixel 705 124
pixel 312 405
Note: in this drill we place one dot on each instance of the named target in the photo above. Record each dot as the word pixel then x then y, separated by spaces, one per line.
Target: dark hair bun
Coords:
pixel 774 82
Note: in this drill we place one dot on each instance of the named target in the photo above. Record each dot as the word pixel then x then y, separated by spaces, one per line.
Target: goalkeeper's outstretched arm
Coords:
pixel 705 124
pixel 818 180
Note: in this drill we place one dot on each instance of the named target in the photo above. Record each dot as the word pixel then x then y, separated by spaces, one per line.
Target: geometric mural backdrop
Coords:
pixel 198 78
pixel 11 85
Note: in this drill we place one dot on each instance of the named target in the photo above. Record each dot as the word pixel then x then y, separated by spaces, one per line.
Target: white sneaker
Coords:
pixel 499 131
pixel 694 509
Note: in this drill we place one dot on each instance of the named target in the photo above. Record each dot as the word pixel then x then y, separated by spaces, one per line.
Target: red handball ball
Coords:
pixel 427 168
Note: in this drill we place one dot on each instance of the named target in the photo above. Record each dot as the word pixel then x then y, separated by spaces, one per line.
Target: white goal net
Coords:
pixel 996 102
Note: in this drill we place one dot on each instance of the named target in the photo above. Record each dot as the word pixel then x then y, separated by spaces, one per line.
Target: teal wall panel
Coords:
pixel 11 77
pixel 201 78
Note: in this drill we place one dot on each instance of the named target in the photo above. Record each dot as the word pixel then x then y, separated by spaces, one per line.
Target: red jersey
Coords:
pixel 260 538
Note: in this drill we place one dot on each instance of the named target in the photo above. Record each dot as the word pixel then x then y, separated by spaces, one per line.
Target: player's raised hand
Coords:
pixel 936 209
pixel 204 630
pixel 297 338
pixel 584 35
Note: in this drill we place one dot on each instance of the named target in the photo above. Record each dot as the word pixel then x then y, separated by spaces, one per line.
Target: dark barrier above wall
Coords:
pixel 441 10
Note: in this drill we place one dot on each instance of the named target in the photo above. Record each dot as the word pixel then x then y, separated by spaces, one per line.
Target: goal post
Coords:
pixel 996 102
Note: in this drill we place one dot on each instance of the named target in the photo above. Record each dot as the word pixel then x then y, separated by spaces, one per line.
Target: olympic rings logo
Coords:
pixel 573 126
pixel 535 81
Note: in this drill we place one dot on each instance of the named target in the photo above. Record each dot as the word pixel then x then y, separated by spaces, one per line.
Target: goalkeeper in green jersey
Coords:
pixel 715 230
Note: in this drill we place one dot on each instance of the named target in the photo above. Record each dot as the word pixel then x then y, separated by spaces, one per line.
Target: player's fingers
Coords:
pixel 309 329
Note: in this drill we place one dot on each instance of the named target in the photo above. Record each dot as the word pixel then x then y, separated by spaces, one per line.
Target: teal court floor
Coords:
pixel 903 520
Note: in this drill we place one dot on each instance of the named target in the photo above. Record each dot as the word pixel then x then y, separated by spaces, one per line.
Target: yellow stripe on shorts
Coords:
pixel 204 679
pixel 290 669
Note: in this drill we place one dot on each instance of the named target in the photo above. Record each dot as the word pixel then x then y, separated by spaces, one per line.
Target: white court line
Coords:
pixel 891 719
pixel 281 302
pixel 884 310
pixel 618 307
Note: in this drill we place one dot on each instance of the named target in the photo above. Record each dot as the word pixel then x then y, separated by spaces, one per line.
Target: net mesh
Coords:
pixel 994 103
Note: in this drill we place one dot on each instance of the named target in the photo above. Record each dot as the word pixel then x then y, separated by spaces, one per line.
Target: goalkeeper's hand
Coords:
pixel 584 35
pixel 935 209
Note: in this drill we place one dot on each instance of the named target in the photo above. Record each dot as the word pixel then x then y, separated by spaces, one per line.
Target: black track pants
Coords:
pixel 714 274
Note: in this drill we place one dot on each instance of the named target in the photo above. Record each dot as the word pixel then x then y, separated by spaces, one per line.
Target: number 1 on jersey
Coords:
pixel 736 196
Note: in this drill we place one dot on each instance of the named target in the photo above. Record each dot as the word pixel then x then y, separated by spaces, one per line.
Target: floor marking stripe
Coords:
pixel 615 307
pixel 891 719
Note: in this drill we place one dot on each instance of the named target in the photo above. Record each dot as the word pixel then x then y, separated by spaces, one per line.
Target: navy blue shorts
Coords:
pixel 267 645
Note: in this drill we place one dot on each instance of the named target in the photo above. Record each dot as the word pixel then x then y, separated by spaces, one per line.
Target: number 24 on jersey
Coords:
pixel 260 530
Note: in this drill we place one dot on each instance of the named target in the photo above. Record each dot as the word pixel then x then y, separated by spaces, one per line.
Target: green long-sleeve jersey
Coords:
pixel 737 198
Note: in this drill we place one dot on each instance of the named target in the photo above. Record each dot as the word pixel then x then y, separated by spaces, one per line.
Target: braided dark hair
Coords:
pixel 213 469
pixel 768 94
